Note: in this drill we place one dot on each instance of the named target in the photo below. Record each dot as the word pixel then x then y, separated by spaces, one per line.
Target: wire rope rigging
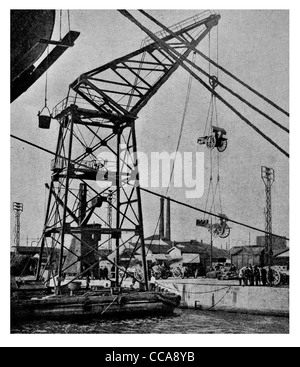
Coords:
pixel 44 118
pixel 185 110
pixel 214 137
pixel 159 195
pixel 214 80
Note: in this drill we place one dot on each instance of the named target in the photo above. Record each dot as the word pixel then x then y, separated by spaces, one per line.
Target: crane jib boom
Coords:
pixel 138 75
pixel 216 64
pixel 187 44
pixel 180 59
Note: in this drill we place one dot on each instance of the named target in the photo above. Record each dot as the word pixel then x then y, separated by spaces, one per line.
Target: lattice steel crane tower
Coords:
pixel 268 176
pixel 110 198
pixel 97 151
pixel 18 209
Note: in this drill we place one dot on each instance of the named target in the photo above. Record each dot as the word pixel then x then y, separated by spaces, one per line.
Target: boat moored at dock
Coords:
pixel 100 304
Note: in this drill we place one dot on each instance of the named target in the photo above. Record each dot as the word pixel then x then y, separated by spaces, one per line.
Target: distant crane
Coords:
pixel 109 216
pixel 18 209
pixel 268 176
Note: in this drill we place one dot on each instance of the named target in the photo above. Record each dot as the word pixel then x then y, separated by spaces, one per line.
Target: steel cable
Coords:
pixel 172 200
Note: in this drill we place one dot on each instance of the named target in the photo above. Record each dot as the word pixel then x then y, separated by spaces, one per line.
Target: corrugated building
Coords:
pixel 245 255
pixel 282 258
pixel 278 243
pixel 197 252
pixel 156 248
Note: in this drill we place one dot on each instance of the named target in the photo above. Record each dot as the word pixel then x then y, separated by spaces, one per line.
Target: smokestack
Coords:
pixel 82 205
pixel 162 218
pixel 168 224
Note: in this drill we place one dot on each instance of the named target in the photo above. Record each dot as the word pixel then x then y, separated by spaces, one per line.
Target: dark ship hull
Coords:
pixel 95 305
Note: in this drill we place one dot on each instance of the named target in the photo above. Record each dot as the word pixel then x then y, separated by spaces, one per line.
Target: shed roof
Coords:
pixel 283 253
pixel 253 250
pixel 157 245
pixel 203 249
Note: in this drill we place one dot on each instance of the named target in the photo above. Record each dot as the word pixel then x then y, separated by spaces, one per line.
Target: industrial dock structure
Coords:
pixel 93 258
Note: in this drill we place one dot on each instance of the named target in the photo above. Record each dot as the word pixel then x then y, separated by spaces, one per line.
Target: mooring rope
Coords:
pixel 109 305
pixel 174 289
pixel 220 300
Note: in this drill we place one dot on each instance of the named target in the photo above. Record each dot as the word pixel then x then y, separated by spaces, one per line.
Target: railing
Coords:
pixel 94 165
pixel 70 100
pixel 62 105
pixel 60 164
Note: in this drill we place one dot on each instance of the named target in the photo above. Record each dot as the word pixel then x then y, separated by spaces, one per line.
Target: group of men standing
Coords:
pixel 256 276
pixel 103 273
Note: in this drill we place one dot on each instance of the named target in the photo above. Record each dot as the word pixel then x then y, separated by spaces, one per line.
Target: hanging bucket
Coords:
pixel 44 120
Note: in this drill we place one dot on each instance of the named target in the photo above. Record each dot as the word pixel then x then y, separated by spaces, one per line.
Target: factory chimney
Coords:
pixel 82 205
pixel 162 218
pixel 168 224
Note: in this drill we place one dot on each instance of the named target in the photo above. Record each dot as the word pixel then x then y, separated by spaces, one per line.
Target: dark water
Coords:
pixel 182 322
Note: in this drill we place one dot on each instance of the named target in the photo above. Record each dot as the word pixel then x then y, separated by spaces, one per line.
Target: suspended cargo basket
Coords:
pixel 44 120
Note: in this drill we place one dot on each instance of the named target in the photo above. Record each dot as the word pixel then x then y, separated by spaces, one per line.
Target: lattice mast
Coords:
pixel 268 176
pixel 18 209
pixel 97 151
pixel 109 217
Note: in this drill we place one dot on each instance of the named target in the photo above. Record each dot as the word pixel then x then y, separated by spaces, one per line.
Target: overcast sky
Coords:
pixel 253 45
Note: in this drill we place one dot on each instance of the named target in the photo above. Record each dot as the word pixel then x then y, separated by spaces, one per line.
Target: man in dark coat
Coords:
pixel 270 276
pixel 247 276
pixel 264 276
pixel 251 274
pixel 105 273
pixel 256 275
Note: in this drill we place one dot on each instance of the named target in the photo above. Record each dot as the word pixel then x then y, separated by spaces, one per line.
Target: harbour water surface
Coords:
pixel 182 322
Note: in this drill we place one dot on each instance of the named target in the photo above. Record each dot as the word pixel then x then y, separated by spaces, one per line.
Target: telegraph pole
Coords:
pixel 268 176
pixel 109 216
pixel 211 246
pixel 18 209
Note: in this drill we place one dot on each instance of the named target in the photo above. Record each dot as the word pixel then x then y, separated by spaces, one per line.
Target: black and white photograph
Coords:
pixel 149 172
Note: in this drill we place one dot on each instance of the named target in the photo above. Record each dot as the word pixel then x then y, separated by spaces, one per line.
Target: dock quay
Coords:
pixel 214 295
